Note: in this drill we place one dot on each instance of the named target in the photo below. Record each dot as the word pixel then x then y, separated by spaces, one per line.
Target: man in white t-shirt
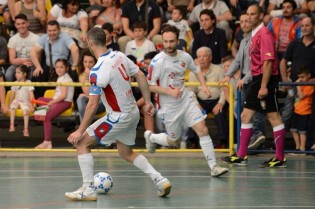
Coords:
pixel 179 108
pixel 20 46
pixel 110 82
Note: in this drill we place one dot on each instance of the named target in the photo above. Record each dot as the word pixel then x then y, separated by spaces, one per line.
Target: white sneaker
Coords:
pixel 164 187
pixel 149 145
pixel 217 171
pixel 84 193
pixel 313 147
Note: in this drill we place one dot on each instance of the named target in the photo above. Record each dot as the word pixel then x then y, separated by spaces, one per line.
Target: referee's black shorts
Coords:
pixel 253 103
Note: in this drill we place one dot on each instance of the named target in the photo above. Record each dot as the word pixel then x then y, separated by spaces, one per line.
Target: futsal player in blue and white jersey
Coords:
pixel 110 82
pixel 178 106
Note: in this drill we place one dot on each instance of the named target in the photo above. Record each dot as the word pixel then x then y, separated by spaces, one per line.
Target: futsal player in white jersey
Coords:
pixel 179 108
pixel 110 82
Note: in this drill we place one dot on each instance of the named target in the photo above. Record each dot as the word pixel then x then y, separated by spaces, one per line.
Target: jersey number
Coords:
pixel 123 72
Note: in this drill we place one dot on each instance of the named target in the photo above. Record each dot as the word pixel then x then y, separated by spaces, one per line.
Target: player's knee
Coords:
pixel 202 131
pixel 245 118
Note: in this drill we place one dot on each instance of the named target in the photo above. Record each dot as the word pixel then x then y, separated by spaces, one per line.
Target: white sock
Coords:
pixel 160 139
pixel 143 164
pixel 208 150
pixel 86 163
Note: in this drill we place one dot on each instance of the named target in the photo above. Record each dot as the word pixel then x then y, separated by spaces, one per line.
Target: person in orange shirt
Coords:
pixel 302 109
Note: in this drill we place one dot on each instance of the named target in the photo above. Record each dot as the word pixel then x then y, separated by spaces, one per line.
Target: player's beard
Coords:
pixel 173 50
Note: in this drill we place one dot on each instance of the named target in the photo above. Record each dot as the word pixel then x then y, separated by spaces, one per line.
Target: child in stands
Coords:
pixel 302 109
pixel 61 101
pixel 21 97
pixel 182 25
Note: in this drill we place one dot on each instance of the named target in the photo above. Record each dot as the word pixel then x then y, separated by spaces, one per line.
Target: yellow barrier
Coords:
pixel 231 104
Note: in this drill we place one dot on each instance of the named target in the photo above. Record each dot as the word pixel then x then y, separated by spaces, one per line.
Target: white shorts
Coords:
pixel 116 126
pixel 178 121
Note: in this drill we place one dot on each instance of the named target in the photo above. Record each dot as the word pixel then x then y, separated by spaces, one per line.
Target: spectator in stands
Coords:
pixel 213 103
pixel 311 7
pixel 72 20
pixel 35 12
pixel 86 63
pixel 140 45
pixel 221 11
pixel 226 63
pixel 61 101
pixel 210 36
pixel 4 12
pixel 110 40
pixel 300 52
pixel 186 6
pixel 140 10
pixel 237 6
pixel 3 54
pixel 20 46
pixel 285 28
pixel 3 107
pixel 274 9
pixel 55 44
pixel 111 13
pixel 302 110
pixel 21 97
pixel 239 34
pixel 177 19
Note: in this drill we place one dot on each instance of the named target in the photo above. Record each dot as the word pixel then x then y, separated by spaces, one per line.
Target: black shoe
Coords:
pixel 274 163
pixel 234 159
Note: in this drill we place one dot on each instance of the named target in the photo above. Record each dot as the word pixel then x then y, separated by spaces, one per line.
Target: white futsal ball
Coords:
pixel 103 182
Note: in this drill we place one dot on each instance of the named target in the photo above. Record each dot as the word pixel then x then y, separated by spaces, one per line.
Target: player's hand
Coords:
pixel 263 92
pixel 177 93
pixel 149 109
pixel 240 84
pixel 75 137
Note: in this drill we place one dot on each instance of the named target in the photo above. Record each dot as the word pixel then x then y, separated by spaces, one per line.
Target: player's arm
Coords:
pixel 267 68
pixel 167 91
pixel 89 113
pixel 143 85
pixel 202 81
pixel 90 110
pixel 146 94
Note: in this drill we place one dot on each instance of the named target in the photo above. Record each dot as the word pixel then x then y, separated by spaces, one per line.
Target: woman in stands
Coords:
pixel 110 13
pixel 72 20
pixel 35 12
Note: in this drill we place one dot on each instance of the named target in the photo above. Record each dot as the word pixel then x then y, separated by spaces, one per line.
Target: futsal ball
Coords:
pixel 103 182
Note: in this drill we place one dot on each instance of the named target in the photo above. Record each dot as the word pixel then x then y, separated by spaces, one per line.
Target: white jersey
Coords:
pixel 169 72
pixel 110 78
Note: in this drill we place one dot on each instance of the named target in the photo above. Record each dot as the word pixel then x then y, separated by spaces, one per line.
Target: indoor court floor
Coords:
pixel 30 181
